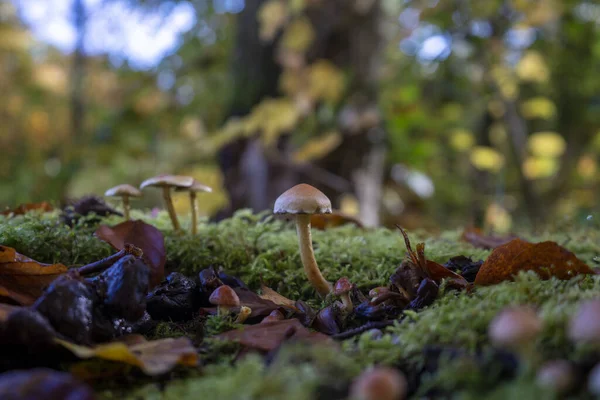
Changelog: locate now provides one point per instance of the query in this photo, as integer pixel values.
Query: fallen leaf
(336, 218)
(24, 279)
(270, 335)
(260, 307)
(547, 259)
(42, 383)
(142, 235)
(44, 206)
(271, 295)
(152, 357)
(438, 272)
(476, 237)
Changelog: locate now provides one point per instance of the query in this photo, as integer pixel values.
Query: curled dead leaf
(270, 294)
(476, 237)
(142, 235)
(23, 279)
(547, 259)
(152, 357)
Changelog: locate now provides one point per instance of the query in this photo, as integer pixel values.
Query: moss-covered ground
(259, 248)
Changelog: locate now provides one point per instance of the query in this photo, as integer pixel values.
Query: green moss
(258, 247)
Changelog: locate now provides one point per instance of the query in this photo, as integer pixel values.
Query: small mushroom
(584, 326)
(379, 383)
(378, 291)
(515, 328)
(195, 188)
(166, 182)
(243, 315)
(342, 288)
(558, 375)
(224, 297)
(124, 191)
(303, 201)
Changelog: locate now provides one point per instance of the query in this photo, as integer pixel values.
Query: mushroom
(302, 201)
(195, 188)
(584, 326)
(379, 383)
(166, 182)
(224, 297)
(243, 315)
(124, 191)
(515, 328)
(558, 375)
(342, 288)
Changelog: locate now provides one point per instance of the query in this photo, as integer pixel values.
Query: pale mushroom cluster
(166, 182)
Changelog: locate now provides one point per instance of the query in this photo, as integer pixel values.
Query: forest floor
(442, 348)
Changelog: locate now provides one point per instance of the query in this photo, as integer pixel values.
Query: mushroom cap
(302, 199)
(196, 187)
(584, 326)
(343, 285)
(224, 296)
(515, 327)
(558, 375)
(168, 180)
(379, 383)
(123, 190)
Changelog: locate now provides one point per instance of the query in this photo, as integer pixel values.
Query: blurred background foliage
(420, 112)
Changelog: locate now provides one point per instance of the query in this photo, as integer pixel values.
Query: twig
(107, 262)
(363, 328)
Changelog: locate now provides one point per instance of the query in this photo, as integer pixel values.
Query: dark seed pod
(327, 321)
(426, 294)
(175, 299)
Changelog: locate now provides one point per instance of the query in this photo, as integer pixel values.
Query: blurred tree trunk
(347, 34)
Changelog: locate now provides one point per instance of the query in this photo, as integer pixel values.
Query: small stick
(363, 328)
(107, 262)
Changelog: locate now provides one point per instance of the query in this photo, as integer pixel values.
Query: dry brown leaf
(44, 206)
(23, 279)
(547, 259)
(152, 357)
(336, 218)
(142, 235)
(270, 294)
(270, 335)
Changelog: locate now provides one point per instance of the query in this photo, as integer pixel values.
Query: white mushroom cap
(584, 326)
(302, 199)
(196, 187)
(123, 190)
(515, 327)
(168, 180)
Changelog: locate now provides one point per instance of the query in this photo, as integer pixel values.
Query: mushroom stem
(126, 207)
(194, 212)
(311, 269)
(348, 306)
(222, 311)
(171, 208)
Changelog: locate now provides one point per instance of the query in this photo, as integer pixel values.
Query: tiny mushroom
(302, 201)
(515, 328)
(584, 326)
(195, 188)
(224, 297)
(124, 191)
(558, 375)
(166, 182)
(243, 315)
(342, 288)
(379, 383)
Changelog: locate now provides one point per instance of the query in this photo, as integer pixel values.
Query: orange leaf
(142, 235)
(24, 208)
(547, 259)
(336, 218)
(270, 294)
(23, 279)
(439, 272)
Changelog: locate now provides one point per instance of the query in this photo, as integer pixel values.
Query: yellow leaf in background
(298, 35)
(231, 130)
(153, 357)
(326, 81)
(461, 139)
(317, 147)
(498, 218)
(149, 102)
(497, 134)
(587, 167)
(349, 205)
(538, 107)
(14, 39)
(272, 15)
(271, 117)
(192, 127)
(532, 67)
(291, 82)
(506, 82)
(15, 104)
(452, 112)
(297, 5)
(52, 78)
(486, 159)
(496, 108)
(540, 167)
(546, 144)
